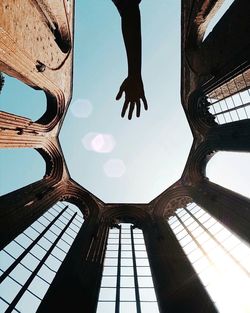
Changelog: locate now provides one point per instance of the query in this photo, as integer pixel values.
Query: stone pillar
(230, 137)
(76, 285)
(228, 207)
(177, 285)
(20, 208)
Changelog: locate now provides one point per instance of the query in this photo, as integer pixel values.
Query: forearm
(131, 30)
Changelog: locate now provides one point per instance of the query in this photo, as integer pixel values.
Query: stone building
(212, 70)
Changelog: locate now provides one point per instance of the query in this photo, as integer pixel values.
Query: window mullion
(137, 295)
(118, 280)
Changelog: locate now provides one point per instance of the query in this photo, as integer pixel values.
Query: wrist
(135, 76)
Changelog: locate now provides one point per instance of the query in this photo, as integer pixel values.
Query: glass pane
(127, 271)
(38, 287)
(108, 281)
(46, 273)
(5, 260)
(141, 271)
(140, 247)
(53, 263)
(147, 307)
(126, 247)
(147, 294)
(110, 271)
(3, 306)
(142, 262)
(59, 253)
(107, 294)
(113, 241)
(126, 307)
(110, 262)
(20, 274)
(126, 241)
(112, 254)
(141, 254)
(31, 233)
(14, 249)
(127, 294)
(126, 254)
(9, 289)
(138, 241)
(30, 261)
(127, 281)
(126, 262)
(23, 240)
(145, 282)
(28, 303)
(106, 307)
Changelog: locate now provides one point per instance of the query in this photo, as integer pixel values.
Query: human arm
(132, 86)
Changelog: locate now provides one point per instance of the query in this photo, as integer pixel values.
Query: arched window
(221, 260)
(230, 170)
(30, 262)
(127, 284)
(216, 18)
(230, 102)
(19, 167)
(20, 99)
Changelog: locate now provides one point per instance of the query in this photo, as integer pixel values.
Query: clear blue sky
(153, 155)
(143, 156)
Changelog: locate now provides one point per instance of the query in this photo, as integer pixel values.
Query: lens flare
(81, 108)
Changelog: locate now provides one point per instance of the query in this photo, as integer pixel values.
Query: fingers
(138, 108)
(131, 109)
(124, 109)
(144, 100)
(119, 95)
(131, 106)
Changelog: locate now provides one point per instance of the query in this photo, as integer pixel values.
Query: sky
(116, 159)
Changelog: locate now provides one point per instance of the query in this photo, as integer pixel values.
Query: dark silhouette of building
(37, 50)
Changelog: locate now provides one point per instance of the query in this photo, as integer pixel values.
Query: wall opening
(30, 262)
(235, 166)
(126, 284)
(221, 260)
(217, 17)
(19, 167)
(20, 99)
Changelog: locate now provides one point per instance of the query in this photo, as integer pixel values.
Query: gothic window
(221, 260)
(230, 102)
(30, 262)
(127, 284)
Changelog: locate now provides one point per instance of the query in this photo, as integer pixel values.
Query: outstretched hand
(134, 93)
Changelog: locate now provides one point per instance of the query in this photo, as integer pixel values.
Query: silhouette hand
(133, 88)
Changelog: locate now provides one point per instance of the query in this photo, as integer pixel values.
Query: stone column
(20, 208)
(230, 137)
(77, 282)
(228, 207)
(177, 285)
